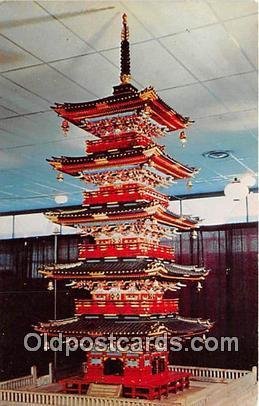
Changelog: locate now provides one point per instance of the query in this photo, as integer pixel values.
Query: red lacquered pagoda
(126, 261)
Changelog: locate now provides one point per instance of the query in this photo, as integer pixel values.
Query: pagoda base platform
(154, 387)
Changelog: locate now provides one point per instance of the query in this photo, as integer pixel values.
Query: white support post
(50, 372)
(34, 374)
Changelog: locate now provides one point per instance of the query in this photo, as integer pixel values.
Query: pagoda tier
(115, 142)
(121, 212)
(116, 231)
(141, 289)
(138, 123)
(132, 269)
(126, 98)
(127, 303)
(152, 156)
(137, 174)
(125, 248)
(124, 193)
(89, 326)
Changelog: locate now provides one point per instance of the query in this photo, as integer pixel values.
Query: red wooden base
(153, 388)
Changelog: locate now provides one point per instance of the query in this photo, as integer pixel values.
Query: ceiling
(201, 56)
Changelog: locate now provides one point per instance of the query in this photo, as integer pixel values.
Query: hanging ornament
(65, 127)
(50, 286)
(189, 184)
(60, 177)
(199, 286)
(183, 138)
(194, 235)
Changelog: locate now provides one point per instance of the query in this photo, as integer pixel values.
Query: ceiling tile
(93, 72)
(100, 25)
(229, 122)
(244, 32)
(233, 8)
(193, 100)
(49, 84)
(18, 99)
(162, 72)
(236, 92)
(207, 58)
(29, 26)
(172, 16)
(224, 107)
(5, 112)
(12, 57)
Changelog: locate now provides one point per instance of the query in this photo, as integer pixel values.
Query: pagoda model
(126, 263)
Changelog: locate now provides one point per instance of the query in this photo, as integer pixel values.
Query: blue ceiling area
(201, 57)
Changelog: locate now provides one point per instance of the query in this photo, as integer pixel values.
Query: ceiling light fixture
(61, 199)
(220, 154)
(248, 179)
(236, 190)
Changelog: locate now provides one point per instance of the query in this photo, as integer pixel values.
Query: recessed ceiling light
(61, 199)
(219, 154)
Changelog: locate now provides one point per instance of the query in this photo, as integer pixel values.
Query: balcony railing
(127, 248)
(129, 192)
(126, 306)
(128, 140)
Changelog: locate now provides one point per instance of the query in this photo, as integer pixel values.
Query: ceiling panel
(32, 28)
(205, 58)
(194, 100)
(243, 30)
(233, 8)
(162, 71)
(98, 23)
(5, 112)
(171, 17)
(199, 55)
(49, 84)
(93, 72)
(16, 98)
(236, 92)
(13, 57)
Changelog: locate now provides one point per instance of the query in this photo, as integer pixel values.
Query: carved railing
(17, 383)
(12, 397)
(126, 249)
(126, 306)
(204, 373)
(130, 192)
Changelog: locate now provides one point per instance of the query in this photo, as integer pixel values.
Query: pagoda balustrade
(129, 303)
(125, 248)
(118, 141)
(129, 192)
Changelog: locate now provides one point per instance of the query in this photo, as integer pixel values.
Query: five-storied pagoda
(126, 262)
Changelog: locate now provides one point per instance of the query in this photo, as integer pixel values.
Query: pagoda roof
(152, 155)
(126, 98)
(85, 326)
(123, 212)
(138, 268)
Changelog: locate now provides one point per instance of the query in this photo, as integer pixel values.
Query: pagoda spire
(125, 51)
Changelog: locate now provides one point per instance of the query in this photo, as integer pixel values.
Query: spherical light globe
(61, 199)
(236, 190)
(248, 180)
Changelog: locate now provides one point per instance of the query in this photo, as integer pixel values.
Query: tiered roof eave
(126, 98)
(131, 269)
(122, 212)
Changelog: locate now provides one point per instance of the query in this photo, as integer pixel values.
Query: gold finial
(125, 53)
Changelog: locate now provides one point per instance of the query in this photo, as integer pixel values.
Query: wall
(228, 297)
